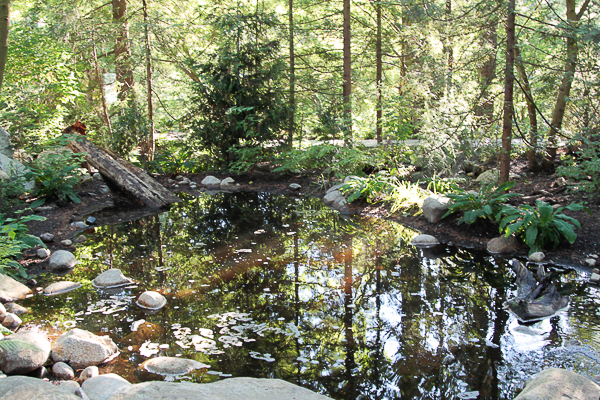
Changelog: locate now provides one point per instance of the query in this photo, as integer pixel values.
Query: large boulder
(11, 290)
(211, 182)
(233, 388)
(25, 387)
(502, 244)
(81, 348)
(558, 384)
(23, 352)
(5, 146)
(15, 169)
(434, 207)
(104, 387)
(62, 260)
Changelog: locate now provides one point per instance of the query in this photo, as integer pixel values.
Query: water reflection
(267, 286)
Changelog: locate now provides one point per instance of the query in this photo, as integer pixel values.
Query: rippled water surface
(269, 286)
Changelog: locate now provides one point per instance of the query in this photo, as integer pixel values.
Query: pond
(262, 285)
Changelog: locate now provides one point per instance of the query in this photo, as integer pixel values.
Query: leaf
(37, 203)
(531, 235)
(567, 230)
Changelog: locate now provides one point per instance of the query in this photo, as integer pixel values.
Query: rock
(590, 262)
(595, 278)
(42, 253)
(227, 183)
(89, 373)
(25, 387)
(85, 178)
(172, 366)
(488, 177)
(5, 146)
(15, 169)
(340, 202)
(80, 239)
(40, 373)
(502, 244)
(104, 189)
(110, 279)
(424, 241)
(15, 308)
(151, 300)
(61, 287)
(434, 207)
(335, 187)
(24, 352)
(79, 225)
(104, 387)
(62, 260)
(47, 237)
(97, 176)
(352, 178)
(295, 187)
(185, 181)
(11, 321)
(332, 196)
(66, 242)
(211, 182)
(3, 176)
(90, 220)
(43, 209)
(11, 290)
(556, 383)
(82, 348)
(537, 257)
(232, 388)
(63, 371)
(68, 386)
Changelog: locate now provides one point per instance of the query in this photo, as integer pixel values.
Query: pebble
(42, 253)
(12, 321)
(88, 373)
(63, 371)
(47, 237)
(80, 239)
(66, 242)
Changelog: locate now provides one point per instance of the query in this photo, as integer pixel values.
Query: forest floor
(115, 207)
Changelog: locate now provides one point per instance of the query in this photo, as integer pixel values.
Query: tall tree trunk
(379, 76)
(508, 94)
(148, 146)
(565, 86)
(487, 73)
(449, 51)
(292, 75)
(347, 88)
(123, 65)
(100, 80)
(531, 111)
(4, 26)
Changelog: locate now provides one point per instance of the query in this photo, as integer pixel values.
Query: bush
(13, 240)
(585, 168)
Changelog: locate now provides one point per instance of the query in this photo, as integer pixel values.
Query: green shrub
(585, 168)
(486, 204)
(13, 240)
(176, 158)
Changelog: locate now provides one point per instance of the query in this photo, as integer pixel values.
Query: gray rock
(352, 178)
(15, 169)
(42, 253)
(104, 189)
(295, 187)
(340, 202)
(227, 183)
(3, 176)
(5, 146)
(211, 182)
(66, 242)
(82, 348)
(11, 290)
(15, 308)
(85, 178)
(335, 187)
(11, 321)
(80, 225)
(424, 241)
(47, 237)
(332, 196)
(230, 389)
(25, 387)
(68, 386)
(173, 366)
(110, 279)
(487, 177)
(434, 207)
(63, 371)
(151, 300)
(537, 257)
(62, 260)
(558, 384)
(104, 387)
(591, 262)
(61, 287)
(97, 176)
(595, 278)
(24, 352)
(42, 209)
(80, 239)
(79, 392)
(89, 373)
(502, 244)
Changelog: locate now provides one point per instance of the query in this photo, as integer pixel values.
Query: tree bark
(123, 65)
(4, 27)
(565, 86)
(292, 75)
(347, 88)
(379, 77)
(148, 145)
(100, 80)
(508, 94)
(487, 74)
(450, 52)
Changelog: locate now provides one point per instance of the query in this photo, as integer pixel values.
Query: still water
(269, 286)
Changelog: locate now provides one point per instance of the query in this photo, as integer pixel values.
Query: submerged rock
(151, 300)
(111, 279)
(81, 348)
(61, 287)
(11, 290)
(24, 352)
(62, 260)
(25, 387)
(424, 241)
(557, 384)
(172, 365)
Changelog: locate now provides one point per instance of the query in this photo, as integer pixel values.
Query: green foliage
(176, 158)
(441, 185)
(55, 173)
(130, 127)
(13, 240)
(485, 204)
(541, 225)
(246, 158)
(584, 168)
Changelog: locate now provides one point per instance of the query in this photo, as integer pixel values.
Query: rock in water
(23, 352)
(537, 257)
(61, 287)
(151, 300)
(104, 387)
(61, 260)
(558, 384)
(227, 183)
(172, 365)
(11, 321)
(211, 182)
(11, 290)
(502, 245)
(434, 207)
(25, 387)
(82, 348)
(424, 241)
(111, 279)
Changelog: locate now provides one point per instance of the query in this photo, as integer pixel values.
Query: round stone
(47, 237)
(502, 244)
(15, 308)
(295, 186)
(12, 321)
(66, 242)
(151, 300)
(110, 279)
(61, 287)
(61, 260)
(537, 257)
(424, 241)
(172, 365)
(89, 372)
(63, 371)
(211, 182)
(42, 253)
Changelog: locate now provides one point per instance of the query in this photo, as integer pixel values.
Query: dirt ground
(60, 217)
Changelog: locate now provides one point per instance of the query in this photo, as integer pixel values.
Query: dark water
(268, 286)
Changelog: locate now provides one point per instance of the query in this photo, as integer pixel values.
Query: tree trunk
(123, 65)
(508, 94)
(379, 77)
(100, 80)
(4, 26)
(531, 111)
(449, 51)
(148, 144)
(292, 75)
(565, 86)
(487, 74)
(347, 88)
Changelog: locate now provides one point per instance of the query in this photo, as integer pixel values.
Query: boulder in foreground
(559, 384)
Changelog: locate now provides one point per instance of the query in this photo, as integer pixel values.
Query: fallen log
(130, 179)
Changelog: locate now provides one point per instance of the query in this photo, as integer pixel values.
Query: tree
(347, 85)
(508, 93)
(4, 25)
(122, 50)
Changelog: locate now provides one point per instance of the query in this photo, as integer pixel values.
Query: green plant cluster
(176, 158)
(13, 240)
(585, 168)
